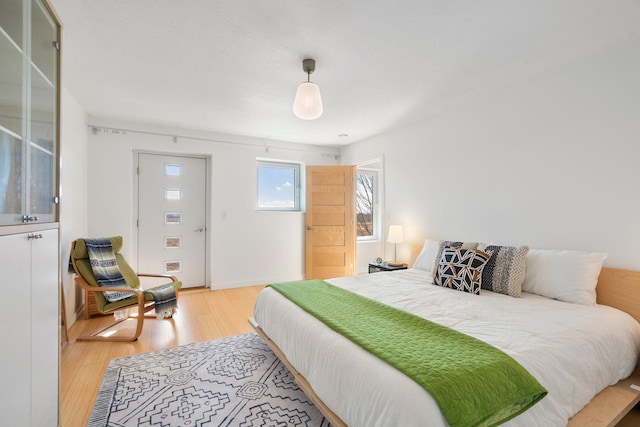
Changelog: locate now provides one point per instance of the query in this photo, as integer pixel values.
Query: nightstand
(375, 267)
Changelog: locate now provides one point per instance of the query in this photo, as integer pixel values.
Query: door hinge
(137, 223)
(56, 44)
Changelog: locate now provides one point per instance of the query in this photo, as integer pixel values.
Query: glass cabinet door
(28, 113)
(12, 202)
(42, 141)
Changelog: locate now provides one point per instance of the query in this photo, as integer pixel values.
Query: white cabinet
(29, 254)
(29, 361)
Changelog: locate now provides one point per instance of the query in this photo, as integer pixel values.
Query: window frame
(297, 168)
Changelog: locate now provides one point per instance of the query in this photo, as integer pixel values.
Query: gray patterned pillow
(504, 273)
(445, 243)
(461, 269)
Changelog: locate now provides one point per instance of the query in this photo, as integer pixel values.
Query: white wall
(247, 247)
(73, 196)
(552, 163)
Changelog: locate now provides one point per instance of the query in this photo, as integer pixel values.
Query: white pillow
(427, 257)
(564, 275)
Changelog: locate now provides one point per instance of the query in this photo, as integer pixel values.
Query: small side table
(375, 267)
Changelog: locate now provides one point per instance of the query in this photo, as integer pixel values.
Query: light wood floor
(203, 315)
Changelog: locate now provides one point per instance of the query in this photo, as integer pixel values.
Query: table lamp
(395, 236)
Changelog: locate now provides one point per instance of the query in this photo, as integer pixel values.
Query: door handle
(199, 230)
(309, 228)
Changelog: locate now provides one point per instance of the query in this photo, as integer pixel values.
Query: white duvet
(573, 350)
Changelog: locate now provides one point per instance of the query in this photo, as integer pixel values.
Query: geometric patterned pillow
(461, 269)
(504, 273)
(445, 243)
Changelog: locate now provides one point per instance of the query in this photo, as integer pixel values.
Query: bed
(569, 348)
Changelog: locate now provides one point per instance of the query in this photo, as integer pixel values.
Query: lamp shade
(395, 234)
(308, 102)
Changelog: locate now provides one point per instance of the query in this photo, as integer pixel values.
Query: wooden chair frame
(143, 306)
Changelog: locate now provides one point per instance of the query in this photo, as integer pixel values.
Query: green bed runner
(473, 383)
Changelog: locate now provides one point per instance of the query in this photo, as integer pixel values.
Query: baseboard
(79, 313)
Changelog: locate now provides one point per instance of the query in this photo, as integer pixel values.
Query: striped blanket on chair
(166, 303)
(107, 273)
(105, 268)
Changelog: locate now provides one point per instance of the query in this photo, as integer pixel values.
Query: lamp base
(395, 263)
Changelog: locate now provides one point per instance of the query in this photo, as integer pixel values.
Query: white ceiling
(233, 66)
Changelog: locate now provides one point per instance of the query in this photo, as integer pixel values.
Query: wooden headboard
(415, 251)
(616, 288)
(620, 289)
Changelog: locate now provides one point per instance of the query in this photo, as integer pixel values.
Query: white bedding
(573, 350)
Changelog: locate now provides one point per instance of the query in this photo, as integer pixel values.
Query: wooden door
(330, 238)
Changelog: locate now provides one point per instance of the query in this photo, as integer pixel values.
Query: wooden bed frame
(619, 289)
(616, 288)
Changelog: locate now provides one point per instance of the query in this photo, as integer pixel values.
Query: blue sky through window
(276, 187)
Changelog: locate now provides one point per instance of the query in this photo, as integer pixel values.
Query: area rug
(235, 381)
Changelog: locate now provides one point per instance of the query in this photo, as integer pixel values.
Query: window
(172, 194)
(278, 186)
(172, 170)
(174, 242)
(173, 218)
(366, 204)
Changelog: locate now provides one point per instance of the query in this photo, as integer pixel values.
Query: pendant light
(308, 102)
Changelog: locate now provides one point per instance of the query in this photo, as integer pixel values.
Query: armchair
(140, 299)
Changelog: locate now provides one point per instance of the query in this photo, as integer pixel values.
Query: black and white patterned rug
(234, 381)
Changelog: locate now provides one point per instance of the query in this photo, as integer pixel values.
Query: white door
(15, 263)
(171, 217)
(44, 327)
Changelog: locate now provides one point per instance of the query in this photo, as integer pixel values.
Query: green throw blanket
(473, 383)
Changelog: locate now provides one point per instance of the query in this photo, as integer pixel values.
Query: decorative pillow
(445, 243)
(564, 275)
(504, 273)
(427, 257)
(461, 269)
